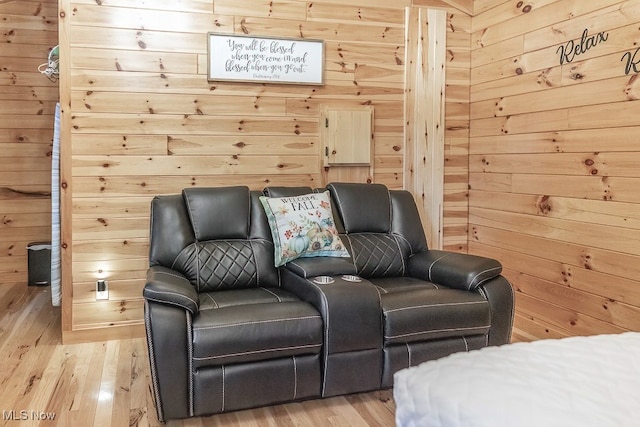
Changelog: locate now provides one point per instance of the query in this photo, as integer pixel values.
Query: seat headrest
(363, 208)
(219, 213)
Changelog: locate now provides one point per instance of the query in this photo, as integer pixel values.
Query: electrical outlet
(102, 289)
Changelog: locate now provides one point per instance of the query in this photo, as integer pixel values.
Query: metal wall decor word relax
(571, 49)
(265, 59)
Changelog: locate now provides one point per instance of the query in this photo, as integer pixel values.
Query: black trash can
(39, 260)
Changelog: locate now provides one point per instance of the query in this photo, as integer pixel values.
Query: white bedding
(578, 381)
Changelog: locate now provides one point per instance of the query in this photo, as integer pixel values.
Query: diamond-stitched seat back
(377, 254)
(219, 238)
(381, 227)
(222, 264)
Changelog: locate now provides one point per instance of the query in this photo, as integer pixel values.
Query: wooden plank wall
(554, 158)
(424, 110)
(143, 120)
(28, 31)
(456, 134)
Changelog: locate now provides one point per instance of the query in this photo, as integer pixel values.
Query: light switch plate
(104, 293)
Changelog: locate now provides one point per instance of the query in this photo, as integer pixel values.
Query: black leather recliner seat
(227, 330)
(413, 304)
(433, 303)
(222, 333)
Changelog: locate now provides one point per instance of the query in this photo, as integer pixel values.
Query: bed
(578, 381)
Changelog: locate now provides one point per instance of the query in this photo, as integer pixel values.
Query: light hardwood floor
(107, 383)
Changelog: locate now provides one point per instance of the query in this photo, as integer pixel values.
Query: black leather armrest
(499, 294)
(351, 311)
(452, 269)
(321, 266)
(352, 331)
(167, 286)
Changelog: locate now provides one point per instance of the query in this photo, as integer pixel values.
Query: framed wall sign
(265, 59)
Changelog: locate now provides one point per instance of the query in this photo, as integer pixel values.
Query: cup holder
(323, 280)
(351, 278)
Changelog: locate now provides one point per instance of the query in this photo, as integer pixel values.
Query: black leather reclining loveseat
(228, 330)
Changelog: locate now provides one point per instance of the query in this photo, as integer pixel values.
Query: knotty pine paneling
(28, 31)
(142, 120)
(553, 160)
(456, 172)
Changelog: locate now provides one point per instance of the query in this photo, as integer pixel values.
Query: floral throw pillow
(302, 227)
